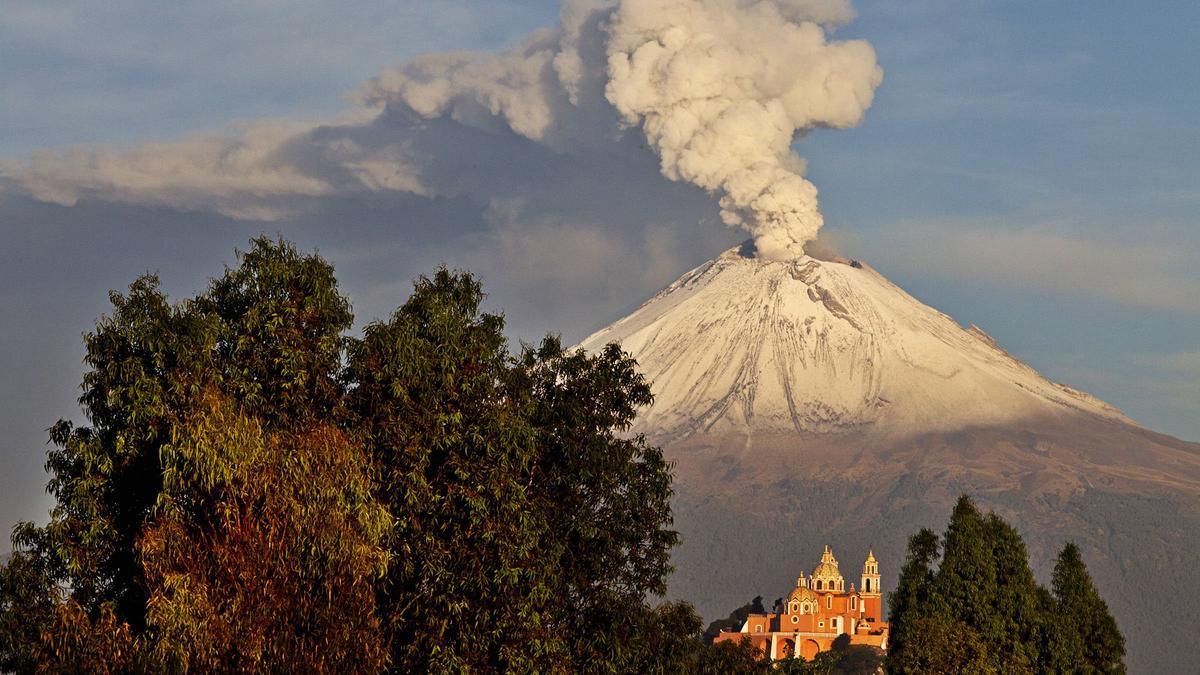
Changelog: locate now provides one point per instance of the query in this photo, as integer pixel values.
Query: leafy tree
(670, 641)
(212, 509)
(264, 550)
(255, 490)
(967, 573)
(606, 497)
(510, 485)
(28, 602)
(1091, 642)
(468, 584)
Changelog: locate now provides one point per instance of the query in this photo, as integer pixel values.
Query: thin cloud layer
(1156, 276)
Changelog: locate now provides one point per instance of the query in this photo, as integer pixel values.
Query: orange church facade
(817, 611)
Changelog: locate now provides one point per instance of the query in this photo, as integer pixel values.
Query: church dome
(826, 571)
(800, 594)
(826, 576)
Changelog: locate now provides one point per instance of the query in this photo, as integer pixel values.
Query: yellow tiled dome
(800, 594)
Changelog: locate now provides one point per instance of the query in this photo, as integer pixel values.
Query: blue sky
(1030, 167)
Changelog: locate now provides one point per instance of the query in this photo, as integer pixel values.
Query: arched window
(829, 602)
(868, 585)
(820, 587)
(853, 602)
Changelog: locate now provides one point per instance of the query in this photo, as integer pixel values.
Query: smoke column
(721, 87)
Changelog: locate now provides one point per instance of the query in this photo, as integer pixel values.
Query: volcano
(812, 401)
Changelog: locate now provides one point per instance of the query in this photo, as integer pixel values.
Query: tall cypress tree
(966, 577)
(1013, 618)
(910, 602)
(1091, 637)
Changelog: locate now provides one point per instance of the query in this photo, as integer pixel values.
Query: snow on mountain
(741, 344)
(813, 402)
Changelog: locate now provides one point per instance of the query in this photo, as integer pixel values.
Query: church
(817, 611)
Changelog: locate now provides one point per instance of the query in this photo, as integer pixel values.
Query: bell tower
(870, 590)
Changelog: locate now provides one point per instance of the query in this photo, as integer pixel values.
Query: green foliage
(736, 618)
(28, 602)
(669, 641)
(257, 491)
(510, 487)
(468, 585)
(982, 610)
(841, 659)
(1088, 640)
(212, 515)
(257, 532)
(937, 645)
(859, 660)
(913, 597)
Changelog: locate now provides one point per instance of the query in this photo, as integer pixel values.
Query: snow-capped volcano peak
(741, 344)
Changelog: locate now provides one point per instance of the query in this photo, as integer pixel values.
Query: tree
(981, 610)
(967, 575)
(212, 508)
(508, 470)
(937, 645)
(859, 660)
(1091, 641)
(912, 599)
(1016, 621)
(264, 550)
(606, 497)
(257, 490)
(984, 582)
(670, 641)
(736, 618)
(455, 452)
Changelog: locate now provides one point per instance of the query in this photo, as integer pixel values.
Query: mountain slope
(812, 401)
(810, 345)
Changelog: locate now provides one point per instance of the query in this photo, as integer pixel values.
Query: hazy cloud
(1178, 363)
(1155, 275)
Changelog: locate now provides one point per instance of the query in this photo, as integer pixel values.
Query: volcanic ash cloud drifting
(718, 89)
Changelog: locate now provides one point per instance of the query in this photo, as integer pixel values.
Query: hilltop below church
(817, 611)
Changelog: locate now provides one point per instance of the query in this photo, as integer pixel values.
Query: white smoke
(721, 87)
(718, 89)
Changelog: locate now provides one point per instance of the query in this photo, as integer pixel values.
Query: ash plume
(721, 87)
(717, 89)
